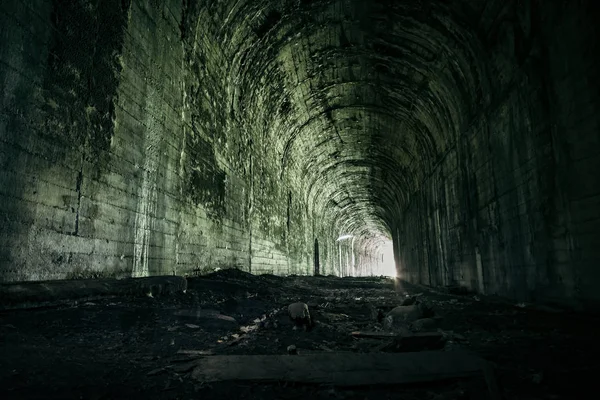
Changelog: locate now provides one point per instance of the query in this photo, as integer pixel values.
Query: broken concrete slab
(343, 369)
(44, 293)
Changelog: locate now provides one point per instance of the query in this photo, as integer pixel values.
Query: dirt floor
(140, 347)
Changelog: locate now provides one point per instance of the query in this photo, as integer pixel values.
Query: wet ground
(141, 347)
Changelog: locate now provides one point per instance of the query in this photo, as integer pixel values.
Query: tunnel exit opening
(388, 263)
(378, 258)
(366, 256)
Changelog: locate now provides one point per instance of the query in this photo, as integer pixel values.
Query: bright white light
(344, 237)
(389, 265)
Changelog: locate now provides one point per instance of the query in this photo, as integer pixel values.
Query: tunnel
(442, 143)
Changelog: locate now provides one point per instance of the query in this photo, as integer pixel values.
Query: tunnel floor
(139, 347)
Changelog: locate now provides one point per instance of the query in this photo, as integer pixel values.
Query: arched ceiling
(358, 97)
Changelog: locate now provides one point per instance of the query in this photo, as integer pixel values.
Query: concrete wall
(120, 152)
(512, 207)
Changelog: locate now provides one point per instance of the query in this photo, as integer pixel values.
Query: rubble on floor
(132, 346)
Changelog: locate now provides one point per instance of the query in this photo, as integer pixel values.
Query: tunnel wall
(120, 155)
(512, 207)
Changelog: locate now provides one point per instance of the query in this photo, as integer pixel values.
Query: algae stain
(147, 193)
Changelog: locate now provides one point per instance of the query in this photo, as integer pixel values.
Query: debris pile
(163, 345)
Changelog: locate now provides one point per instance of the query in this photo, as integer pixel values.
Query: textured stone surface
(158, 137)
(512, 206)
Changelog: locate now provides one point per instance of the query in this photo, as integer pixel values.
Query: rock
(298, 310)
(459, 338)
(424, 324)
(299, 313)
(405, 313)
(402, 316)
(409, 301)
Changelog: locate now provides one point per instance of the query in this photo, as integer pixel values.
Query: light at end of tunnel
(344, 237)
(388, 263)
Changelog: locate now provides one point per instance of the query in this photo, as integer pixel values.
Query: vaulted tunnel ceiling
(358, 97)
